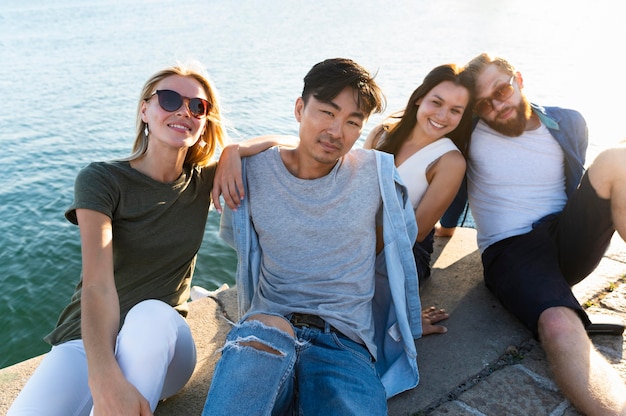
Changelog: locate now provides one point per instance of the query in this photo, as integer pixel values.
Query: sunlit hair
(476, 66)
(214, 134)
(400, 132)
(327, 79)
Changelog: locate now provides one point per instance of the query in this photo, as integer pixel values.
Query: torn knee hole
(255, 343)
(260, 346)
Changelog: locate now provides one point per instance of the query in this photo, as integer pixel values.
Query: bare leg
(431, 316)
(581, 372)
(443, 231)
(607, 175)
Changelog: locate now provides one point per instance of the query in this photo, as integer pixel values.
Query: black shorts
(532, 272)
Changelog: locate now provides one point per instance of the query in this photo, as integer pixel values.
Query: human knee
(151, 317)
(559, 324)
(153, 323)
(152, 305)
(608, 170)
(150, 309)
(614, 156)
(272, 323)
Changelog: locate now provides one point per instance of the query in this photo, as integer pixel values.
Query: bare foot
(431, 316)
(443, 231)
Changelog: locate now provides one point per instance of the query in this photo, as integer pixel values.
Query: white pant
(155, 351)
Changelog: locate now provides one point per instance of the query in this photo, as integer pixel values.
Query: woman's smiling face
(441, 109)
(178, 128)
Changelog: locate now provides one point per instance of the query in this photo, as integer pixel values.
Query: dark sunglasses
(504, 92)
(171, 101)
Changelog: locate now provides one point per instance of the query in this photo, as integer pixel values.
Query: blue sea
(71, 72)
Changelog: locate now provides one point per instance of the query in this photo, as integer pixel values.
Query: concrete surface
(487, 363)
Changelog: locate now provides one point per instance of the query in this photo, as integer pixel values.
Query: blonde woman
(122, 342)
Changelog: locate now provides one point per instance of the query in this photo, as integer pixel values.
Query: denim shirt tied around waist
(396, 303)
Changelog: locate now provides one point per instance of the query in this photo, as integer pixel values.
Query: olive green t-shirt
(157, 231)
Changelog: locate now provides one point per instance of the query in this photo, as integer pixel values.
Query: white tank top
(413, 170)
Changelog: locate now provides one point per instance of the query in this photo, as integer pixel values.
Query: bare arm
(444, 179)
(372, 138)
(228, 181)
(100, 313)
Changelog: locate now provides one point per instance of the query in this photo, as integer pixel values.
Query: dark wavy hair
(400, 132)
(326, 79)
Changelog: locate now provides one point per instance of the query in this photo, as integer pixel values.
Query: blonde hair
(214, 134)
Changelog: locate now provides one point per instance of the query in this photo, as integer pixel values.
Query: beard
(517, 125)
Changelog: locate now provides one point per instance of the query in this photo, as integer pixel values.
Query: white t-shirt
(513, 181)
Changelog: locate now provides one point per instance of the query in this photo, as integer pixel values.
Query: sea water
(71, 72)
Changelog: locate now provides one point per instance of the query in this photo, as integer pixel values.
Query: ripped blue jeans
(316, 373)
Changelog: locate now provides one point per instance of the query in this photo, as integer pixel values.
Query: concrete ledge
(208, 321)
(487, 363)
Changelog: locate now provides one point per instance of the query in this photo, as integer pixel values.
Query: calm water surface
(71, 71)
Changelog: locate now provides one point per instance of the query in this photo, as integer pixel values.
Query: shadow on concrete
(479, 329)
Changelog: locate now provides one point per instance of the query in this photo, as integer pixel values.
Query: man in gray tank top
(544, 224)
(307, 274)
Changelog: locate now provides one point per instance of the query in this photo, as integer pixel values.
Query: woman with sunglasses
(122, 342)
(422, 139)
